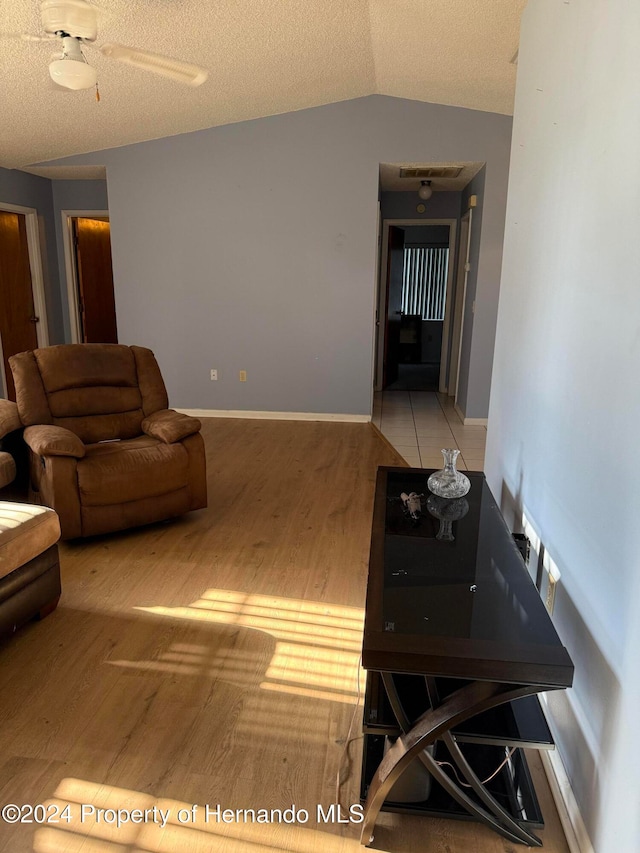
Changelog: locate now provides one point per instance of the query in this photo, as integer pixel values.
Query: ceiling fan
(73, 24)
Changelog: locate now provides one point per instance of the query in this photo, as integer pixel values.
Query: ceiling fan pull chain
(97, 93)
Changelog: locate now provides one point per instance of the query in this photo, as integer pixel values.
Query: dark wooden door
(17, 316)
(92, 238)
(395, 268)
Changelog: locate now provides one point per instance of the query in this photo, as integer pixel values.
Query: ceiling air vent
(431, 172)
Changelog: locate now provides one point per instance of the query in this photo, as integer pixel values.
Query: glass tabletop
(447, 578)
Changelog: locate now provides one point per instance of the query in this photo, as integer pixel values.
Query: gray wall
(27, 190)
(293, 303)
(80, 195)
(402, 205)
(563, 422)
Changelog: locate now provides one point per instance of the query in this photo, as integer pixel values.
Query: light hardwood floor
(214, 659)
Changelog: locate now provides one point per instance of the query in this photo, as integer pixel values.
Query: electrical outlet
(243, 376)
(550, 578)
(214, 375)
(551, 593)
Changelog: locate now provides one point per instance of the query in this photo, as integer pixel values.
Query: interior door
(393, 311)
(17, 316)
(96, 301)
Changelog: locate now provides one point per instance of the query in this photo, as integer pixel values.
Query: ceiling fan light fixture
(425, 192)
(72, 73)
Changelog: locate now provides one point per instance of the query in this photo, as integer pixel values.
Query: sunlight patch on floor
(316, 654)
(174, 826)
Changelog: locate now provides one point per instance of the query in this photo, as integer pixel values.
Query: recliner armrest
(170, 426)
(49, 440)
(9, 418)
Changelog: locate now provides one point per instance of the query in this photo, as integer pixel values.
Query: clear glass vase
(449, 482)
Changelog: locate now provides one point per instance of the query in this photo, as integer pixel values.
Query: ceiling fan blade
(29, 37)
(26, 37)
(174, 69)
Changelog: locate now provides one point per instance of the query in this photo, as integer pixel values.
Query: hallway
(420, 423)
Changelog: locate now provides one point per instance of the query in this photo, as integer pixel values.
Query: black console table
(457, 644)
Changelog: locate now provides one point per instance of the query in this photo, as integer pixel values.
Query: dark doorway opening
(94, 279)
(416, 296)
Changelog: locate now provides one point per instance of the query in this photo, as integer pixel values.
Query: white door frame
(382, 295)
(70, 266)
(458, 312)
(376, 305)
(37, 278)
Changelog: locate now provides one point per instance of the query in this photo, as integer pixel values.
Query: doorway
(415, 304)
(23, 318)
(460, 302)
(92, 310)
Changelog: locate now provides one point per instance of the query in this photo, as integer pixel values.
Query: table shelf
(520, 723)
(512, 786)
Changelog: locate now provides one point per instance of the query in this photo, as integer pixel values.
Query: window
(424, 282)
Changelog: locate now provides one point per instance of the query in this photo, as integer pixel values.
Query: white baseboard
(469, 421)
(276, 416)
(572, 823)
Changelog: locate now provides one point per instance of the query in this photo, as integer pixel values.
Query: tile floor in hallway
(420, 423)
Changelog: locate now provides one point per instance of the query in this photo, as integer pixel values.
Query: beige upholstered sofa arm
(9, 418)
(170, 426)
(53, 441)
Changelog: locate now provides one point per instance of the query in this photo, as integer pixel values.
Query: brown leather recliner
(105, 451)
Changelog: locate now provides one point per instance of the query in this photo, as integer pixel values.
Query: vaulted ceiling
(264, 57)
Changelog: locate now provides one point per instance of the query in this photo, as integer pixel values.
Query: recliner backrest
(98, 391)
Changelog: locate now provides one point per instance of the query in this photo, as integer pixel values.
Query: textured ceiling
(264, 57)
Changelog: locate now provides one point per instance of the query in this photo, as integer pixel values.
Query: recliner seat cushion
(132, 470)
(25, 531)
